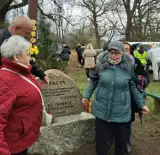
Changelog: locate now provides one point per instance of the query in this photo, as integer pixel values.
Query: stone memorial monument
(61, 96)
(73, 129)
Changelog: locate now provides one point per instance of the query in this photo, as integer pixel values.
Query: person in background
(113, 80)
(23, 26)
(21, 103)
(65, 54)
(89, 56)
(154, 57)
(105, 46)
(149, 63)
(142, 81)
(105, 49)
(141, 55)
(80, 50)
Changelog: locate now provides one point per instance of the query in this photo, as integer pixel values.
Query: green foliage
(47, 48)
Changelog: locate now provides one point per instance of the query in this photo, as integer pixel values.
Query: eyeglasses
(115, 52)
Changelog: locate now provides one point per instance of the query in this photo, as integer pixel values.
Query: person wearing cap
(113, 82)
(141, 54)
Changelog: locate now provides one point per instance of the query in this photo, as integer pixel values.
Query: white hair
(15, 45)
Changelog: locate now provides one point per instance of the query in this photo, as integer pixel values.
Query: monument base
(67, 135)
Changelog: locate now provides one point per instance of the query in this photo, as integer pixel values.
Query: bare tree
(146, 20)
(7, 5)
(96, 10)
(139, 15)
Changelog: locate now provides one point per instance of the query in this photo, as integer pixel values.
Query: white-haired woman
(89, 59)
(21, 103)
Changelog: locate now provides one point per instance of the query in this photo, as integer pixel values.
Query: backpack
(140, 84)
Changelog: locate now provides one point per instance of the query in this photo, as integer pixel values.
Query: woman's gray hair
(15, 45)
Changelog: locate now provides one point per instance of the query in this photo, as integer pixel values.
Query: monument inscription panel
(61, 96)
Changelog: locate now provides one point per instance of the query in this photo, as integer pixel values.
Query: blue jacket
(65, 53)
(114, 86)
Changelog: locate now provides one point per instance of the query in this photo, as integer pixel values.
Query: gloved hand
(85, 104)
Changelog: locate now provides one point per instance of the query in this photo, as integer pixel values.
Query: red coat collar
(17, 67)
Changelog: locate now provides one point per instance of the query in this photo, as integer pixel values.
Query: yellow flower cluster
(33, 33)
(34, 50)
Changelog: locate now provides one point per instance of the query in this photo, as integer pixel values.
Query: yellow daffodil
(33, 34)
(34, 50)
(33, 40)
(34, 28)
(34, 22)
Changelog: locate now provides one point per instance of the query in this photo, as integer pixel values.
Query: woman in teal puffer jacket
(113, 80)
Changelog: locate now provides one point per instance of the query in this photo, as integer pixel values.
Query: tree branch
(18, 5)
(5, 3)
(50, 16)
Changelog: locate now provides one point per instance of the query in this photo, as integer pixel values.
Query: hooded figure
(141, 55)
(154, 57)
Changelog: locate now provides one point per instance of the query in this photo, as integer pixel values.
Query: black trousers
(22, 153)
(106, 132)
(80, 60)
(87, 72)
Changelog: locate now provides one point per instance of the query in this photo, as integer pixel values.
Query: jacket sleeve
(37, 71)
(7, 99)
(92, 84)
(1, 36)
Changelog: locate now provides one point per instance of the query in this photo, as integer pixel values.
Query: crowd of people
(117, 75)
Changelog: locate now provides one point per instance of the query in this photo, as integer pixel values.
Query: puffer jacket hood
(127, 62)
(117, 45)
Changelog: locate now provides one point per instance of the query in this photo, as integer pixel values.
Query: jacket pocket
(27, 126)
(102, 95)
(15, 125)
(14, 129)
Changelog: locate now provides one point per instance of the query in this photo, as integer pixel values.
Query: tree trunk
(3, 12)
(2, 18)
(98, 38)
(129, 27)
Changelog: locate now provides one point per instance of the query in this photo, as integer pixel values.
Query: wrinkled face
(115, 56)
(23, 59)
(23, 31)
(127, 48)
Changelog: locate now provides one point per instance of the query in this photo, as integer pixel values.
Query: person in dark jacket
(65, 53)
(80, 49)
(142, 81)
(22, 110)
(114, 83)
(23, 26)
(65, 56)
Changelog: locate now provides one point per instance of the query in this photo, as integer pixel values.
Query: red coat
(20, 109)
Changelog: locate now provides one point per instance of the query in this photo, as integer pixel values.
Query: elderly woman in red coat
(21, 103)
